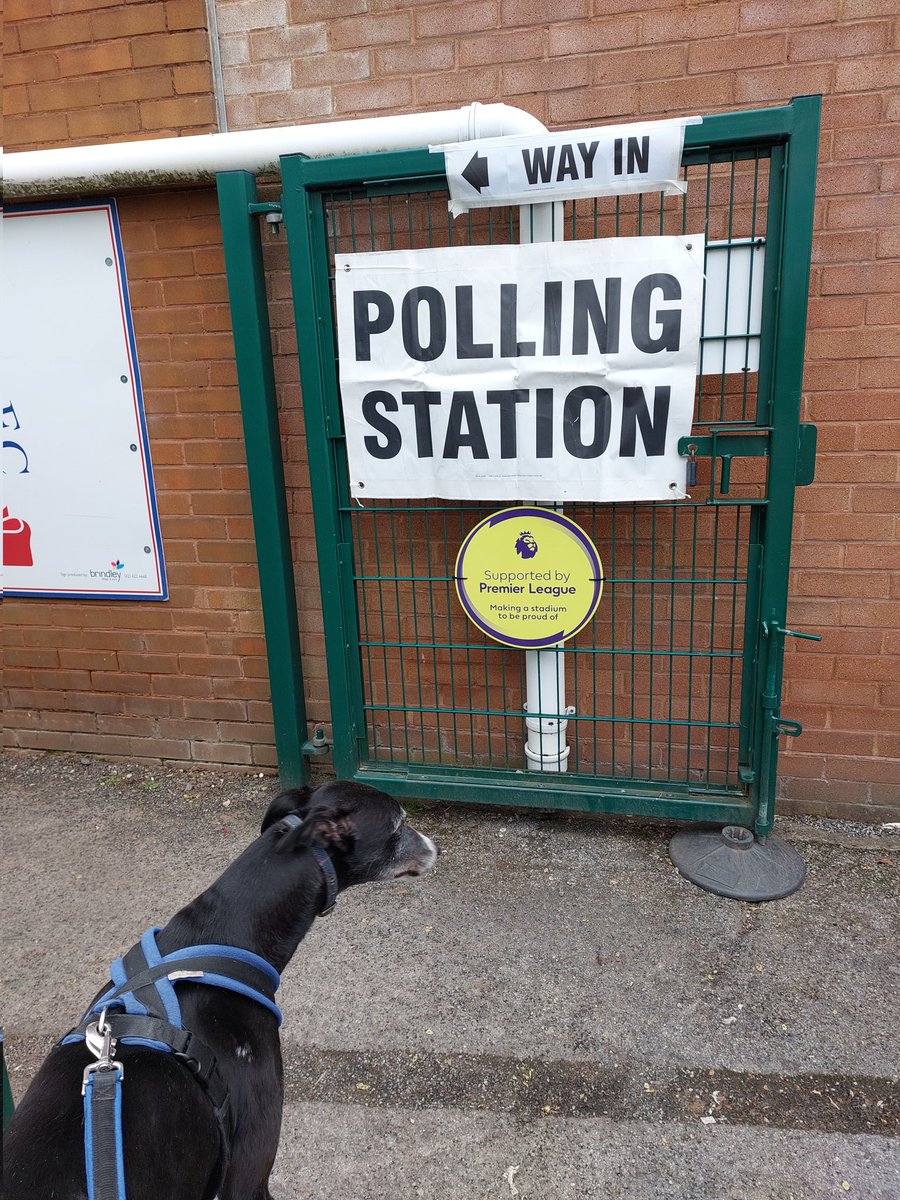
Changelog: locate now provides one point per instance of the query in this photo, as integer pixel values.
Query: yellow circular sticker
(529, 577)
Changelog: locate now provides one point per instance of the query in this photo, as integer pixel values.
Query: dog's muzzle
(416, 854)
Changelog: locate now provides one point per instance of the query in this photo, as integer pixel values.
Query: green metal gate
(676, 683)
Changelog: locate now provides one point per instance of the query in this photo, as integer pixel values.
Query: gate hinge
(806, 455)
(317, 745)
(273, 213)
(791, 728)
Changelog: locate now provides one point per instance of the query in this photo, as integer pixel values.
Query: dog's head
(362, 829)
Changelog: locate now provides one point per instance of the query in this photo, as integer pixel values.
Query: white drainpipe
(163, 162)
(545, 670)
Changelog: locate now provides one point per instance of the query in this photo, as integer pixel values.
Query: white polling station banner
(560, 371)
(79, 508)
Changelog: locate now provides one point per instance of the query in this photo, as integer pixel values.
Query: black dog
(265, 902)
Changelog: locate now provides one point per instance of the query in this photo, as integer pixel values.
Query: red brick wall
(300, 60)
(78, 72)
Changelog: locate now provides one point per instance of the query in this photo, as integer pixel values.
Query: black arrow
(476, 173)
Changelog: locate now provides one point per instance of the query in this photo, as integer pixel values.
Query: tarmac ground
(552, 1013)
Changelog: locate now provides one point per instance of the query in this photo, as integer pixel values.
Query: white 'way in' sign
(535, 168)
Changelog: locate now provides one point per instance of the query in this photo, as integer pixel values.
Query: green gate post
(256, 382)
(7, 1092)
(798, 164)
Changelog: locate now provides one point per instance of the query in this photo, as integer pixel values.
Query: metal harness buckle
(99, 1040)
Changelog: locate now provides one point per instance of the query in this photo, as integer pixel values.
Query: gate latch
(777, 724)
(774, 627)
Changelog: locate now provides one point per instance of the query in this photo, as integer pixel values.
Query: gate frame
(791, 135)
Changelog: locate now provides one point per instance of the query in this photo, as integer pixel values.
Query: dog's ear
(294, 800)
(323, 826)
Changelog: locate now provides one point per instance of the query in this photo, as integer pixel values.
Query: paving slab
(553, 1012)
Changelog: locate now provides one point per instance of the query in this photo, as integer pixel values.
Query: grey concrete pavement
(551, 1014)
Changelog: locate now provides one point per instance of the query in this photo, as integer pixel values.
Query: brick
(185, 14)
(866, 212)
(856, 468)
(875, 499)
(160, 49)
(881, 310)
(872, 142)
(697, 94)
(297, 105)
(368, 97)
(257, 77)
(691, 24)
(838, 41)
(454, 87)
(851, 111)
(81, 5)
(494, 47)
(35, 132)
(114, 120)
(868, 74)
(184, 112)
(522, 12)
(303, 12)
(343, 67)
(840, 246)
(869, 613)
(781, 83)
(136, 85)
(353, 33)
(128, 21)
(854, 527)
(885, 435)
(588, 37)
(292, 42)
(772, 14)
(30, 68)
(854, 584)
(23, 10)
(861, 279)
(736, 53)
(552, 75)
(847, 179)
(220, 753)
(89, 660)
(216, 710)
(95, 59)
(193, 77)
(884, 372)
(132, 726)
(15, 100)
(240, 15)
(62, 30)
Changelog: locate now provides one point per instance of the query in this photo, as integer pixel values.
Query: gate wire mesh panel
(656, 678)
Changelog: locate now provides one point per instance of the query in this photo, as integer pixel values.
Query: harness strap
(103, 1157)
(197, 969)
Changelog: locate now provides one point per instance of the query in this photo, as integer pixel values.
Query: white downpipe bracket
(162, 162)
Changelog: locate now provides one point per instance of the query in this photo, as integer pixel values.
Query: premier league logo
(526, 546)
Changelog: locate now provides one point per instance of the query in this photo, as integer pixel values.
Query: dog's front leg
(257, 1095)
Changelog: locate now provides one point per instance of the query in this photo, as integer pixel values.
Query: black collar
(326, 866)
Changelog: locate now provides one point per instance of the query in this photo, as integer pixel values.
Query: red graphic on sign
(16, 541)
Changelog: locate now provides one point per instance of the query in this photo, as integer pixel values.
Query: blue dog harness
(141, 1008)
